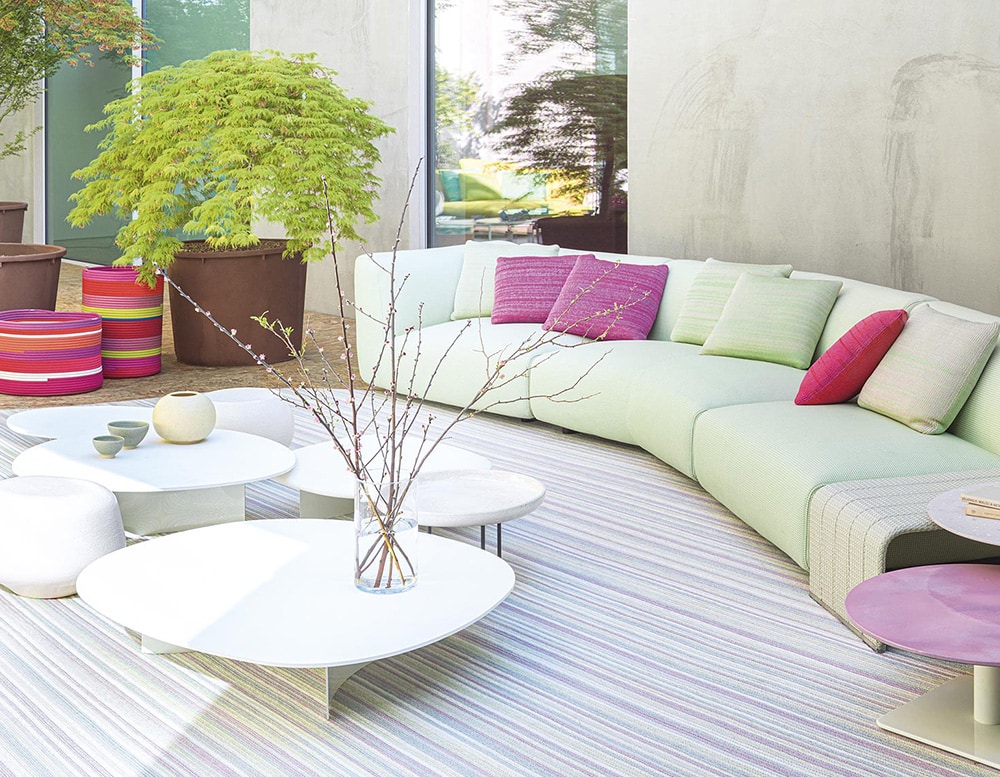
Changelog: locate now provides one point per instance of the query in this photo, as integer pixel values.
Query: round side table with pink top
(950, 612)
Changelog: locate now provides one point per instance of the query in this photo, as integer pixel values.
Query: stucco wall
(860, 137)
(368, 44)
(17, 176)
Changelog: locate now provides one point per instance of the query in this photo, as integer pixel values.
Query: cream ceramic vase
(184, 417)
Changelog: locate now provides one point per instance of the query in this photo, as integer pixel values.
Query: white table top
(75, 420)
(225, 458)
(947, 510)
(281, 593)
(476, 498)
(319, 469)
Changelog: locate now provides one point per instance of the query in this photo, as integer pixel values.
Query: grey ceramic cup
(132, 432)
(108, 445)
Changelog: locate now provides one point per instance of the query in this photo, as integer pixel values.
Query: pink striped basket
(133, 320)
(47, 353)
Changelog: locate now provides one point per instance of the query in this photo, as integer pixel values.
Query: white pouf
(254, 411)
(50, 529)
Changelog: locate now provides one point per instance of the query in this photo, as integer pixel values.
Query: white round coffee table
(74, 420)
(947, 510)
(281, 593)
(326, 485)
(451, 499)
(163, 487)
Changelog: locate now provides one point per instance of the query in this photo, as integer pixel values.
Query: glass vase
(385, 534)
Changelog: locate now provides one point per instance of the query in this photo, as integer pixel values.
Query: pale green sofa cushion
(707, 296)
(474, 293)
(765, 461)
(455, 358)
(773, 320)
(599, 403)
(930, 370)
(669, 395)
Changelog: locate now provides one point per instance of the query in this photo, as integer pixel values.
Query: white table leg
(167, 511)
(150, 645)
(961, 716)
(336, 676)
(318, 506)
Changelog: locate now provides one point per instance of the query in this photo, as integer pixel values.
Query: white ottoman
(50, 529)
(254, 411)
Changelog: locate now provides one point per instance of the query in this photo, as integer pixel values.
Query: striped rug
(649, 633)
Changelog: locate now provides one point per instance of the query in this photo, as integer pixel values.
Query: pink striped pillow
(839, 374)
(609, 300)
(526, 287)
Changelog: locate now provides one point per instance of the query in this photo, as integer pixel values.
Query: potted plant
(36, 37)
(209, 149)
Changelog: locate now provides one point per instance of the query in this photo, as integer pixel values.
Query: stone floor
(175, 376)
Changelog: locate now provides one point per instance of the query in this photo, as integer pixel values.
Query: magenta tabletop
(946, 611)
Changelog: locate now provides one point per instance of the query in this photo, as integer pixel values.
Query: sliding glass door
(529, 122)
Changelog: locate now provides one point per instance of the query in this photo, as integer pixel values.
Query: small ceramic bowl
(108, 445)
(132, 432)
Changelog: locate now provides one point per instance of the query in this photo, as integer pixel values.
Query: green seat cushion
(669, 395)
(930, 370)
(707, 295)
(599, 403)
(773, 320)
(765, 461)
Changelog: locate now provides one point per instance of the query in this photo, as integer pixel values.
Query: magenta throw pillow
(839, 374)
(526, 287)
(608, 300)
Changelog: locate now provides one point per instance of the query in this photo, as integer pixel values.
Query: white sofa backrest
(856, 301)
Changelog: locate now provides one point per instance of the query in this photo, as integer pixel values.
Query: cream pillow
(707, 296)
(474, 293)
(930, 370)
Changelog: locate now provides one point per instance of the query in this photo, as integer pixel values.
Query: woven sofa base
(860, 529)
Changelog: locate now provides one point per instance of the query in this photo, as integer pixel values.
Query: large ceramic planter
(12, 221)
(234, 286)
(29, 276)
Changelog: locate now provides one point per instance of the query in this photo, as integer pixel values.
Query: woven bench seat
(862, 528)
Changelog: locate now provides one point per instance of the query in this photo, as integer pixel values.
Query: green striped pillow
(773, 320)
(930, 370)
(707, 296)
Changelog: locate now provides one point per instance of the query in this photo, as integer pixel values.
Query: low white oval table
(163, 487)
(75, 420)
(451, 499)
(281, 593)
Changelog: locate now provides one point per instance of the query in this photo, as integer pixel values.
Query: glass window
(76, 97)
(530, 122)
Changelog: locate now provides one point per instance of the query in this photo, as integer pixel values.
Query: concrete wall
(17, 174)
(858, 137)
(368, 43)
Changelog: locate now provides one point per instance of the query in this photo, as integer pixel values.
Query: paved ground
(173, 376)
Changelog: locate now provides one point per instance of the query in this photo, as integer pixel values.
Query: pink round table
(950, 612)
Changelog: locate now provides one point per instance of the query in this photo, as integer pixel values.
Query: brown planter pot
(12, 221)
(29, 275)
(234, 286)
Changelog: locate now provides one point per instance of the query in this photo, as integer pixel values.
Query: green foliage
(565, 121)
(36, 36)
(455, 98)
(213, 144)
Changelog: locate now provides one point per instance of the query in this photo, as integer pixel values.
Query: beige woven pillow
(930, 370)
(708, 294)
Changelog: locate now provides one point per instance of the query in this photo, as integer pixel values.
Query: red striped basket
(47, 353)
(133, 319)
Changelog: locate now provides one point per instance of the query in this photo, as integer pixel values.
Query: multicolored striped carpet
(649, 633)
